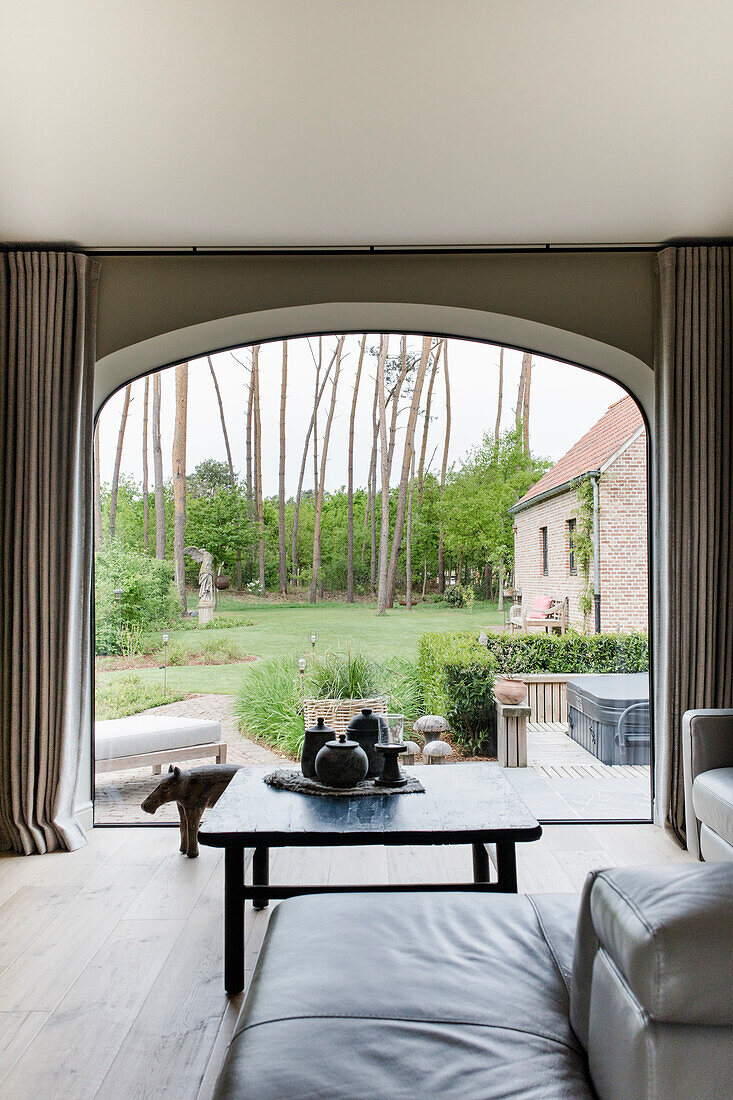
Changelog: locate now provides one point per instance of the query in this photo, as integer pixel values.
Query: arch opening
(133, 363)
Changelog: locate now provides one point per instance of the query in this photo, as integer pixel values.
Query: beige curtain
(47, 313)
(693, 628)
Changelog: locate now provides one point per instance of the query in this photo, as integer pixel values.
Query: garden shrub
(459, 596)
(570, 653)
(148, 597)
(456, 675)
(269, 705)
(344, 676)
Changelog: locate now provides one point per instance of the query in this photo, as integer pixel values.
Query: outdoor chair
(548, 614)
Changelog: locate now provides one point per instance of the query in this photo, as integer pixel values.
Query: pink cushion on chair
(540, 607)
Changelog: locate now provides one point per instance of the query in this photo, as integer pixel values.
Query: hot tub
(609, 716)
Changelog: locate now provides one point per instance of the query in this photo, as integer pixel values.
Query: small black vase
(315, 738)
(341, 763)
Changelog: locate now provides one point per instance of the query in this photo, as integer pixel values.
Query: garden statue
(207, 595)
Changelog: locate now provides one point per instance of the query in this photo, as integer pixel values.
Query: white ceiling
(338, 122)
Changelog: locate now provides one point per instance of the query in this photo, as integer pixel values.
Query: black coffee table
(463, 804)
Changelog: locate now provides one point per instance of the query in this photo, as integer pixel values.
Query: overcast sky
(566, 401)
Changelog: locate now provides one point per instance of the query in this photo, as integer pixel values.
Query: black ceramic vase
(341, 763)
(315, 738)
(364, 728)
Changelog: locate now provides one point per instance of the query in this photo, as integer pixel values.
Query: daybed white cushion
(140, 734)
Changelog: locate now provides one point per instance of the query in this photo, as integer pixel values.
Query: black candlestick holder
(391, 775)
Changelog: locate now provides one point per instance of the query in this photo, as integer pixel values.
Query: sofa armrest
(707, 743)
(651, 998)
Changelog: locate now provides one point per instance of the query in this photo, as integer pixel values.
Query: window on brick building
(572, 565)
(543, 547)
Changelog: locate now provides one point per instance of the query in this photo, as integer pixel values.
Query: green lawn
(281, 629)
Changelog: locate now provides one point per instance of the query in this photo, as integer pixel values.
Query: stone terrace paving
(562, 780)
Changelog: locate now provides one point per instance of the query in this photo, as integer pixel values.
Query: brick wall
(623, 546)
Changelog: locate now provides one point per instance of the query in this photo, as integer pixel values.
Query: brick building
(614, 451)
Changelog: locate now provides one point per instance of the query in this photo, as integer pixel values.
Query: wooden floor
(110, 957)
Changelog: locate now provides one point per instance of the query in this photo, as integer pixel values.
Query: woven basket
(339, 712)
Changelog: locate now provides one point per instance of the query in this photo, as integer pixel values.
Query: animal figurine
(194, 791)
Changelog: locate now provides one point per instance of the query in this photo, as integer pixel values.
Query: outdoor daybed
(140, 740)
(482, 996)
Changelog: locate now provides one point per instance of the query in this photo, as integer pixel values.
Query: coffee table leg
(233, 920)
(260, 875)
(481, 871)
(506, 866)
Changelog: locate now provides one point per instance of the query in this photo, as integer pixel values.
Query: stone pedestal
(206, 613)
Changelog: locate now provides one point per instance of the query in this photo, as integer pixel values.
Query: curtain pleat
(47, 302)
(693, 628)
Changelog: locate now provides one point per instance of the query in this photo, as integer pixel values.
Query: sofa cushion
(669, 931)
(712, 797)
(416, 994)
(140, 734)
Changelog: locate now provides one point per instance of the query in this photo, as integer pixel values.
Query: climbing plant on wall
(583, 543)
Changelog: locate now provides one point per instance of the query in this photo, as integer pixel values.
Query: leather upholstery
(707, 744)
(712, 846)
(712, 797)
(411, 995)
(652, 999)
(466, 996)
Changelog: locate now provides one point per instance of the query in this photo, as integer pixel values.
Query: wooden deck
(111, 981)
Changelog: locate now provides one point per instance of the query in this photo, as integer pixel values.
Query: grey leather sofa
(707, 749)
(487, 996)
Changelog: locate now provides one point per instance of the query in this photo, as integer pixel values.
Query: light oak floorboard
(72, 1052)
(17, 1030)
(94, 1003)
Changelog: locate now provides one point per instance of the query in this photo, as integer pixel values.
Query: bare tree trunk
(525, 403)
(282, 550)
(304, 460)
(97, 491)
(394, 397)
(322, 481)
(501, 585)
(408, 537)
(350, 490)
(405, 472)
(500, 397)
(249, 493)
(384, 463)
(373, 499)
(158, 473)
(146, 499)
(523, 385)
(225, 433)
(426, 426)
(259, 502)
(232, 475)
(315, 417)
(179, 482)
(444, 469)
(118, 462)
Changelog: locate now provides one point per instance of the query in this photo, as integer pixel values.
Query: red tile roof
(594, 449)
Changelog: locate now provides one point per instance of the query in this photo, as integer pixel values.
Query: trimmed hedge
(570, 653)
(456, 676)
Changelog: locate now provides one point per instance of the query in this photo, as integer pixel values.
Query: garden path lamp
(314, 639)
(301, 669)
(118, 601)
(165, 663)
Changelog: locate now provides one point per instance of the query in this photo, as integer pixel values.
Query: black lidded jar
(315, 738)
(364, 728)
(341, 763)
